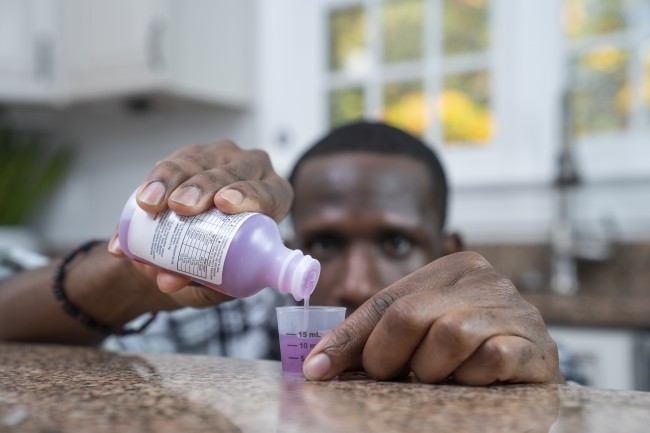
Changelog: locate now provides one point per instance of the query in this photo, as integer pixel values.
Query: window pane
(346, 37)
(465, 25)
(647, 80)
(345, 106)
(465, 108)
(405, 106)
(585, 18)
(600, 94)
(402, 23)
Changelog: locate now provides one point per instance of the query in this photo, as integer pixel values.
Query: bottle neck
(298, 274)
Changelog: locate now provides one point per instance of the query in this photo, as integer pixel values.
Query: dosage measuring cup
(300, 330)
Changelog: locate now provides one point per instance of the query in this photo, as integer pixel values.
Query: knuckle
(227, 144)
(261, 156)
(402, 316)
(169, 166)
(472, 261)
(208, 180)
(493, 355)
(280, 204)
(228, 172)
(451, 331)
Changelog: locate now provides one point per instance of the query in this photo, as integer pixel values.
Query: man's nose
(359, 278)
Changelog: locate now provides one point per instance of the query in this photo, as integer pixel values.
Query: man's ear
(453, 243)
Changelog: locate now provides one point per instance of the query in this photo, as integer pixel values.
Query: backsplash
(528, 266)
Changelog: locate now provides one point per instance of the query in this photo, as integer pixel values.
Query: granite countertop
(48, 388)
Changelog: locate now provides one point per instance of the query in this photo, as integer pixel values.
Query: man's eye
(323, 247)
(397, 245)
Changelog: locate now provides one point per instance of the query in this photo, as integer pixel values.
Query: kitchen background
(540, 110)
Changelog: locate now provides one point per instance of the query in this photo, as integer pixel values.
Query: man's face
(368, 218)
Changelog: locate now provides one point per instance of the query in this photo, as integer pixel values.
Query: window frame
(528, 60)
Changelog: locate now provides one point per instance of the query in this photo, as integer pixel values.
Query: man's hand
(197, 177)
(455, 317)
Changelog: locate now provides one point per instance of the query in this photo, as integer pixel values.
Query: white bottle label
(194, 246)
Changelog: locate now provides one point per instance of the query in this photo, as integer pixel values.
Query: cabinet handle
(44, 58)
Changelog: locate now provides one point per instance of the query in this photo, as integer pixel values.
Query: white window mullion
(433, 74)
(373, 89)
(637, 54)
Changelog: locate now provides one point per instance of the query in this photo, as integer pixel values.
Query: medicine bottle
(238, 254)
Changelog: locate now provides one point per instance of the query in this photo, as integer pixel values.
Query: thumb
(341, 348)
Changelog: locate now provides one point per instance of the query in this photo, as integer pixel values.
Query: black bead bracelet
(75, 312)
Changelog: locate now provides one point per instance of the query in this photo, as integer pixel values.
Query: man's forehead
(363, 181)
(365, 169)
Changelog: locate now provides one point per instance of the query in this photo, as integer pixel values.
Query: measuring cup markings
(296, 348)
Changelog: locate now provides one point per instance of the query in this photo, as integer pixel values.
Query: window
(605, 71)
(391, 43)
(484, 81)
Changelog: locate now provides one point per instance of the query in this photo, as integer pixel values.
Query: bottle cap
(305, 277)
(299, 275)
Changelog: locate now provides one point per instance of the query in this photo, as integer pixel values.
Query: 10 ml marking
(296, 347)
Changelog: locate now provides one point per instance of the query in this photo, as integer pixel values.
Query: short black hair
(377, 137)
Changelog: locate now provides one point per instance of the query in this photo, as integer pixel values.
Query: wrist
(106, 288)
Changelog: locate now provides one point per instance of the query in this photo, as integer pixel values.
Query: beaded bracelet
(75, 312)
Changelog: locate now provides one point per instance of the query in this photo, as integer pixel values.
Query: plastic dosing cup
(300, 329)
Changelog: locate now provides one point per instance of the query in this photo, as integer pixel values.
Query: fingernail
(189, 196)
(153, 194)
(114, 246)
(317, 367)
(232, 196)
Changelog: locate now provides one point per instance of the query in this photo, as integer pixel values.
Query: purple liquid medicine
(296, 348)
(238, 255)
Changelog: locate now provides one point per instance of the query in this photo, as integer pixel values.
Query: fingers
(396, 337)
(271, 197)
(342, 347)
(114, 246)
(453, 338)
(506, 358)
(421, 332)
(337, 351)
(198, 177)
(452, 313)
(169, 282)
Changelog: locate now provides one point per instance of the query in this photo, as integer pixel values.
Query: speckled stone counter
(67, 389)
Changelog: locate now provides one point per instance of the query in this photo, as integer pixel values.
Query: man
(370, 204)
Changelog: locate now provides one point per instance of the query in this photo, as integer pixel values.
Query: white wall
(117, 148)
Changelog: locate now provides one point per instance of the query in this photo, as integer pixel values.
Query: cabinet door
(111, 47)
(604, 356)
(27, 63)
(211, 50)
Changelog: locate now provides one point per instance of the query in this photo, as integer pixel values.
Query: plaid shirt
(243, 328)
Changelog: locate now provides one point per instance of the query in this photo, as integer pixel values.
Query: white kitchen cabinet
(210, 50)
(605, 356)
(26, 49)
(56, 52)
